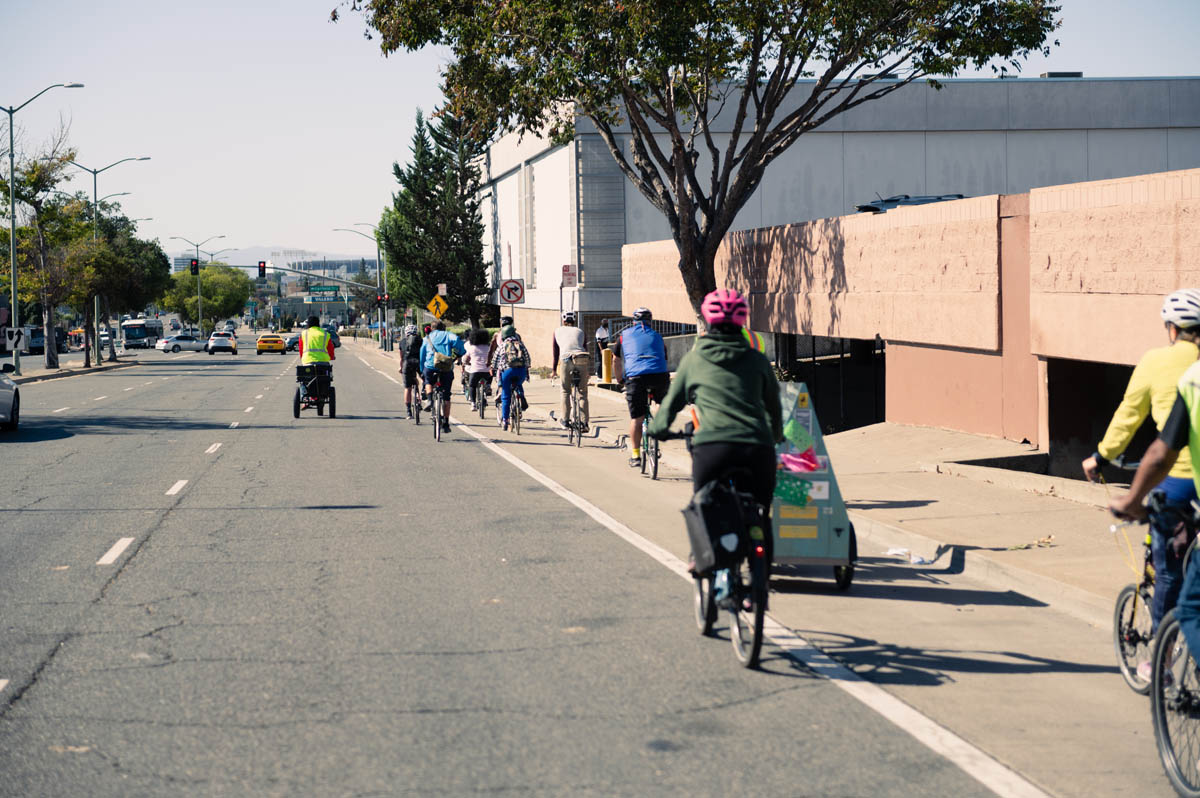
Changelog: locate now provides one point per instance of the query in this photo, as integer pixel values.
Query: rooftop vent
(883, 205)
(1062, 74)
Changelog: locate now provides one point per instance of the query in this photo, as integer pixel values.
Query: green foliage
(224, 291)
(771, 69)
(433, 233)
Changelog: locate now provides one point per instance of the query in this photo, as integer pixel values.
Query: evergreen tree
(411, 230)
(461, 218)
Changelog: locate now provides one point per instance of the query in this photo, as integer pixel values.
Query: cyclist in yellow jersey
(1154, 389)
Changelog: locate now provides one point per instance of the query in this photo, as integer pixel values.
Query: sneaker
(635, 462)
(504, 426)
(408, 413)
(583, 429)
(524, 403)
(445, 426)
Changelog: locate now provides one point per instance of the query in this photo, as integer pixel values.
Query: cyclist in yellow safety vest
(316, 345)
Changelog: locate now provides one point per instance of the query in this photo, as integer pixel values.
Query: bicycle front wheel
(1131, 637)
(1175, 707)
(749, 609)
(705, 604)
(437, 418)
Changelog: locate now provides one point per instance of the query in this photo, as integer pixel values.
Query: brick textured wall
(1102, 256)
(927, 274)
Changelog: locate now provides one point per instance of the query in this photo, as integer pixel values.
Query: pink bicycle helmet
(725, 306)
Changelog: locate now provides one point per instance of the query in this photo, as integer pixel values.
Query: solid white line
(233, 425)
(248, 409)
(3, 684)
(98, 398)
(212, 449)
(59, 410)
(111, 556)
(990, 772)
(260, 396)
(178, 486)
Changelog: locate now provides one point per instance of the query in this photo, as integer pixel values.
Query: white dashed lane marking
(248, 409)
(130, 388)
(233, 425)
(98, 398)
(3, 684)
(148, 383)
(178, 486)
(212, 449)
(59, 410)
(112, 554)
(260, 396)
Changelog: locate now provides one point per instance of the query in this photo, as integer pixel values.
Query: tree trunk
(51, 348)
(112, 332)
(87, 333)
(696, 268)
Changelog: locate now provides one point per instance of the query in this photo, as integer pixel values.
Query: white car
(226, 342)
(10, 401)
(179, 343)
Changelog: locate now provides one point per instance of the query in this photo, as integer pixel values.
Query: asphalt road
(342, 607)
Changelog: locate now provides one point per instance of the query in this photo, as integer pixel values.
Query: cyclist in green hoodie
(736, 396)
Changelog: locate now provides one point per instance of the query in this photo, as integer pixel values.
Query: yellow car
(271, 343)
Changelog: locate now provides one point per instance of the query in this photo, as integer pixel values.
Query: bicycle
(414, 406)
(514, 410)
(650, 451)
(438, 403)
(574, 422)
(1175, 699)
(742, 551)
(480, 398)
(1132, 622)
(314, 388)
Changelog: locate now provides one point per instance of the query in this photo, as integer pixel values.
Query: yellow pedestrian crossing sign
(438, 306)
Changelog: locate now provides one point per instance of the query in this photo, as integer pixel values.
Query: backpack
(412, 348)
(513, 354)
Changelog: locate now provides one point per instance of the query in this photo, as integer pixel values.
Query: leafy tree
(224, 291)
(773, 70)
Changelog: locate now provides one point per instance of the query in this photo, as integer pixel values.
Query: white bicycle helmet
(568, 317)
(643, 314)
(410, 329)
(1182, 308)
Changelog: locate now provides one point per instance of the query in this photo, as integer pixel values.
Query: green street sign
(323, 289)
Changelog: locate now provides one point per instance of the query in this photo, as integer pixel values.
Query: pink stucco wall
(1102, 255)
(927, 274)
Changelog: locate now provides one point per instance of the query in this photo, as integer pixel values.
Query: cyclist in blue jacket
(447, 344)
(644, 360)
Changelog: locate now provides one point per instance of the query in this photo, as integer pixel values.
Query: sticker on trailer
(819, 491)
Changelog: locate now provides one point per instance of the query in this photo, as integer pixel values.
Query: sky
(269, 125)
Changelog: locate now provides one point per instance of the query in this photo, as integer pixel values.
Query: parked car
(179, 343)
(270, 342)
(175, 324)
(221, 341)
(10, 400)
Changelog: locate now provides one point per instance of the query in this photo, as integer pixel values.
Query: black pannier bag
(715, 512)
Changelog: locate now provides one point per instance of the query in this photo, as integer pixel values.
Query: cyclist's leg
(564, 382)
(638, 403)
(506, 392)
(582, 366)
(1187, 609)
(1167, 557)
(446, 383)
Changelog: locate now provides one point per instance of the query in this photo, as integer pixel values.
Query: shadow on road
(46, 429)
(887, 663)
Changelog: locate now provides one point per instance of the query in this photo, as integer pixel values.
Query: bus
(141, 333)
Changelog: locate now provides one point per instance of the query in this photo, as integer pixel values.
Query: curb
(957, 559)
(1054, 487)
(58, 375)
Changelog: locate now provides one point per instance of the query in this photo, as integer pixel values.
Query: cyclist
(511, 362)
(644, 357)
(505, 321)
(441, 349)
(736, 395)
(476, 362)
(570, 350)
(316, 345)
(410, 352)
(601, 345)
(1152, 389)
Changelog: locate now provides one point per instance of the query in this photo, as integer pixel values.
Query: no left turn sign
(512, 292)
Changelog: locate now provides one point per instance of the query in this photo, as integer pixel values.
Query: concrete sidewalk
(905, 490)
(41, 373)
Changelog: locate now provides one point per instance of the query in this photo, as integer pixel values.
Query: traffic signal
(195, 266)
(378, 299)
(387, 300)
(262, 270)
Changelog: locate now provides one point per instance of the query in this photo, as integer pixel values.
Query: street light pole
(14, 315)
(96, 232)
(199, 306)
(383, 342)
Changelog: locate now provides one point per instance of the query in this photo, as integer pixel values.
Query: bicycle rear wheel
(437, 414)
(1131, 636)
(749, 609)
(415, 406)
(652, 447)
(1175, 707)
(577, 420)
(515, 415)
(705, 604)
(480, 399)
